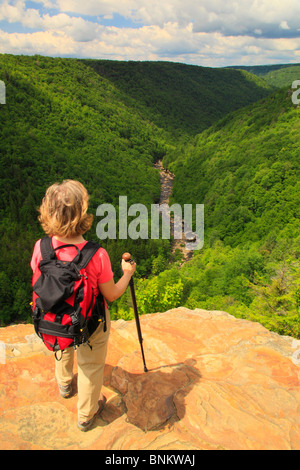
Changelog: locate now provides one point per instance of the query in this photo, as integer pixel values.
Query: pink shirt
(99, 268)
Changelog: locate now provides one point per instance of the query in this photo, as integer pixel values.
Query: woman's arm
(112, 291)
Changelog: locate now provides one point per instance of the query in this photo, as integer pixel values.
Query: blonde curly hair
(63, 211)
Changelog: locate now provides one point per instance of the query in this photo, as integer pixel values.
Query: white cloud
(247, 17)
(47, 3)
(11, 12)
(206, 32)
(43, 43)
(171, 42)
(96, 7)
(77, 28)
(225, 16)
(284, 25)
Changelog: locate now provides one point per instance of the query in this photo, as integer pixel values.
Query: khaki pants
(90, 370)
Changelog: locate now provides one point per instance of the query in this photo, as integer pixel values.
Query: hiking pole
(127, 257)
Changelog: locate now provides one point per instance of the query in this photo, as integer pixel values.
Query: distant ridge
(261, 70)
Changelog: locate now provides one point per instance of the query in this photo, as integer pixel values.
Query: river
(166, 184)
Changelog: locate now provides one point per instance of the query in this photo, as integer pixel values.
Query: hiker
(64, 218)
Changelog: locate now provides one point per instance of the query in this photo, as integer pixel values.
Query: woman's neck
(71, 240)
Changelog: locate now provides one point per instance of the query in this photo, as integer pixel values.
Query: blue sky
(211, 33)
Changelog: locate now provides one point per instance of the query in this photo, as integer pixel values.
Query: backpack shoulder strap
(87, 253)
(47, 250)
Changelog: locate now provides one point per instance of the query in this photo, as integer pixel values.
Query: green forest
(245, 169)
(229, 136)
(182, 99)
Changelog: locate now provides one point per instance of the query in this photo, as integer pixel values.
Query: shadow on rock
(151, 399)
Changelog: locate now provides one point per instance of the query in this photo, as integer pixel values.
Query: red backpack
(65, 310)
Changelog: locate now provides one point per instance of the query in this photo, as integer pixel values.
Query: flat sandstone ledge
(214, 382)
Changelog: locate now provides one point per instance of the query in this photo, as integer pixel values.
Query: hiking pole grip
(127, 257)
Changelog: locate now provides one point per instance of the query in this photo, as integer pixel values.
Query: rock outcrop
(214, 382)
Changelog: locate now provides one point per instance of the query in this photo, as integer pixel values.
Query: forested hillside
(184, 99)
(62, 120)
(106, 123)
(283, 77)
(278, 76)
(246, 170)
